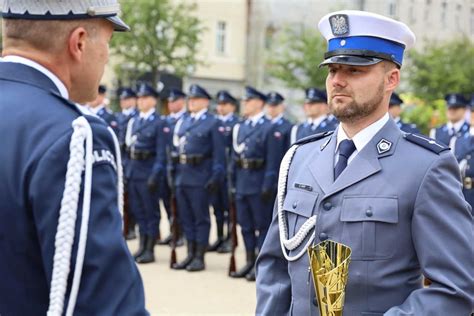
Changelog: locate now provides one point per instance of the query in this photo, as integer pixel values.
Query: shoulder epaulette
(313, 138)
(427, 143)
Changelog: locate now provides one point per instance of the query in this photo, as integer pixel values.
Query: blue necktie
(346, 148)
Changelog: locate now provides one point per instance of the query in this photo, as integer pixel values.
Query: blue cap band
(368, 43)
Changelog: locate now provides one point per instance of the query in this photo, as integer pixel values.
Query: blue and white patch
(383, 146)
(339, 24)
(104, 156)
(166, 130)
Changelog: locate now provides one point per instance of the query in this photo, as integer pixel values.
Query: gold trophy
(329, 263)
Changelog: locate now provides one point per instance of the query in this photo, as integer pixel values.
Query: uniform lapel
(366, 163)
(322, 164)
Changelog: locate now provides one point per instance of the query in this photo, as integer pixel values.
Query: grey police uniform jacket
(402, 212)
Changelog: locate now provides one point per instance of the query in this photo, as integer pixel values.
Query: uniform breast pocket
(298, 206)
(369, 226)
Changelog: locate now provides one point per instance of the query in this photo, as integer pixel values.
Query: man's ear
(77, 43)
(392, 78)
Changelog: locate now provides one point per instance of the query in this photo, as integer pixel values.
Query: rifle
(232, 213)
(174, 210)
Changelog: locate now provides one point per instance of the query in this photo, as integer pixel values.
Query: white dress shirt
(360, 139)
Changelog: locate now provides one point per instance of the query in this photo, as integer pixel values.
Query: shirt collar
(28, 62)
(276, 119)
(147, 114)
(254, 119)
(128, 112)
(177, 115)
(225, 118)
(198, 115)
(363, 137)
(96, 109)
(318, 120)
(457, 126)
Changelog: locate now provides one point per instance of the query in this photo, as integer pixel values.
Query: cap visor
(351, 60)
(119, 25)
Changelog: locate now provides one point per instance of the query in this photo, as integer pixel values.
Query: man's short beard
(354, 111)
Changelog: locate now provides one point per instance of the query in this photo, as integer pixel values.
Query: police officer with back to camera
(395, 109)
(198, 173)
(315, 108)
(281, 125)
(128, 103)
(61, 244)
(99, 108)
(145, 142)
(256, 170)
(177, 108)
(226, 108)
(456, 126)
(395, 199)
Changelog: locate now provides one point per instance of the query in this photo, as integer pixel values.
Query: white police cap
(364, 38)
(64, 10)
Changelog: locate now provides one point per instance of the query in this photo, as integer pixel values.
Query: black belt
(246, 163)
(141, 155)
(467, 183)
(192, 160)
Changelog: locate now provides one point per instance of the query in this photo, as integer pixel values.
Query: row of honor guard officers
(210, 155)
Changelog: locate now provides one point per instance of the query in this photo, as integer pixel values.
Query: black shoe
(246, 268)
(251, 275)
(165, 241)
(215, 245)
(149, 254)
(225, 247)
(180, 242)
(141, 248)
(183, 264)
(131, 235)
(197, 264)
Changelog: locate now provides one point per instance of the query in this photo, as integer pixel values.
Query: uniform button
(295, 204)
(327, 206)
(369, 213)
(323, 236)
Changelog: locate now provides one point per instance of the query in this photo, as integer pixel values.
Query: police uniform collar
(457, 126)
(147, 114)
(317, 121)
(362, 138)
(178, 114)
(30, 63)
(277, 119)
(97, 109)
(256, 118)
(128, 111)
(228, 117)
(199, 114)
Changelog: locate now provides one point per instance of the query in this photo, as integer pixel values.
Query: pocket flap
(370, 208)
(300, 202)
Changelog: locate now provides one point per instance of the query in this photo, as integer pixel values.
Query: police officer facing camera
(456, 126)
(61, 244)
(198, 173)
(395, 199)
(145, 140)
(316, 109)
(275, 108)
(395, 110)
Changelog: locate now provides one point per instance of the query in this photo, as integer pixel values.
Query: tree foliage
(295, 57)
(164, 36)
(442, 68)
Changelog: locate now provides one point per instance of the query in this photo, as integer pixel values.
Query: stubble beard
(354, 111)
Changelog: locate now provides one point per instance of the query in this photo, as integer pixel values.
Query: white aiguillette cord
(295, 241)
(81, 160)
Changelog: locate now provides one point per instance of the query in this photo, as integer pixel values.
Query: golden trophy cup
(329, 263)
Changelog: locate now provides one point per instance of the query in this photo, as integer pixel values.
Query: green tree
(164, 36)
(442, 68)
(295, 57)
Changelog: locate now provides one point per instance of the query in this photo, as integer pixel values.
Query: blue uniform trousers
(220, 204)
(193, 209)
(165, 196)
(253, 214)
(144, 206)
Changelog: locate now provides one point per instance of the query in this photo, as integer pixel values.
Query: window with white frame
(221, 37)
